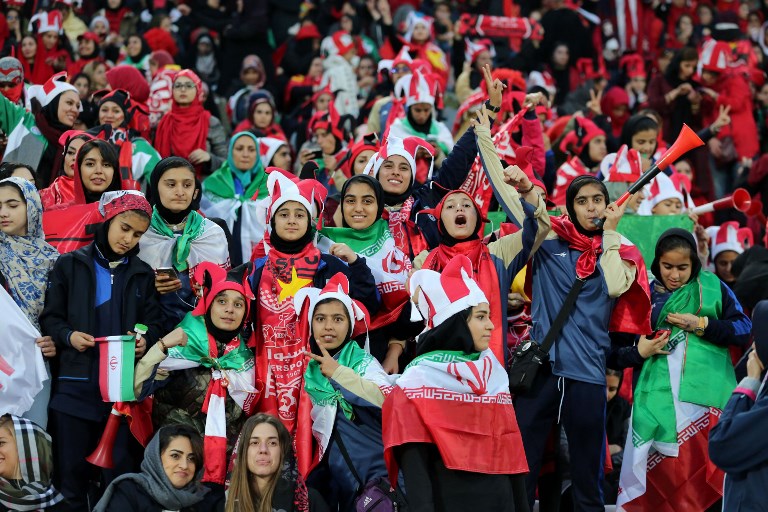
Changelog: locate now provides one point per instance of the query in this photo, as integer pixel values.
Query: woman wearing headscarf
(53, 51)
(188, 130)
(436, 419)
(25, 262)
(293, 262)
(62, 189)
(364, 231)
(137, 53)
(253, 78)
(461, 221)
(585, 146)
(232, 191)
(609, 279)
(346, 386)
(212, 385)
(99, 290)
(163, 70)
(686, 379)
(119, 122)
(262, 116)
(26, 484)
(179, 238)
(169, 478)
(34, 136)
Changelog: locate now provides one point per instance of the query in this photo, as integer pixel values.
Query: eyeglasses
(11, 17)
(184, 85)
(401, 69)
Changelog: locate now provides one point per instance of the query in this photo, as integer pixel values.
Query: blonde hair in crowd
(243, 495)
(6, 422)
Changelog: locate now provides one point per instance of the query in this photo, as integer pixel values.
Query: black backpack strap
(344, 453)
(562, 315)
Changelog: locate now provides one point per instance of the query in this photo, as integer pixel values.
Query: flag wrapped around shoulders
(116, 358)
(460, 403)
(22, 369)
(632, 310)
(388, 264)
(678, 399)
(200, 241)
(232, 374)
(325, 399)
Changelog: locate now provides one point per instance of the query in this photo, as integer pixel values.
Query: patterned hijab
(25, 261)
(34, 491)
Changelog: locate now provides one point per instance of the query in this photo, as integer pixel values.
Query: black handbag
(529, 356)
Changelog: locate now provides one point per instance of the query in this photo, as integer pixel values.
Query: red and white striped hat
(268, 146)
(714, 56)
(47, 22)
(54, 86)
(284, 187)
(661, 189)
(418, 87)
(440, 295)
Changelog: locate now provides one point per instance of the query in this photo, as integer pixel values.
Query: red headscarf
(183, 129)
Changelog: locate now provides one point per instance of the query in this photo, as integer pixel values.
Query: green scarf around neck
(192, 229)
(319, 387)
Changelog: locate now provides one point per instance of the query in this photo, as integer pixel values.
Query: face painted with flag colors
(228, 310)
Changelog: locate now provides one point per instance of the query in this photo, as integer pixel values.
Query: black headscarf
(419, 127)
(452, 334)
(690, 242)
(294, 247)
(760, 329)
(570, 196)
(372, 182)
(153, 196)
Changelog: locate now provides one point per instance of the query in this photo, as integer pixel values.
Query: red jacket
(734, 90)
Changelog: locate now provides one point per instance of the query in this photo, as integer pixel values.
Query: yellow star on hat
(289, 289)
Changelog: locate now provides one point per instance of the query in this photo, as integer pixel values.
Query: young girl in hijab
(347, 387)
(25, 263)
(117, 112)
(686, 379)
(612, 295)
(34, 136)
(460, 223)
(437, 416)
(137, 53)
(292, 263)
(212, 385)
(262, 116)
(232, 191)
(179, 238)
(102, 289)
(169, 478)
(53, 51)
(364, 231)
(97, 170)
(586, 148)
(25, 473)
(62, 189)
(265, 476)
(188, 130)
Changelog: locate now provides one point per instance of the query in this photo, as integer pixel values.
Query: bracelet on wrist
(490, 107)
(523, 192)
(163, 346)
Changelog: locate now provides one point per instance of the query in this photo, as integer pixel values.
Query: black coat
(131, 497)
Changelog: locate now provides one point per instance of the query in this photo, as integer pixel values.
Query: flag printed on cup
(116, 358)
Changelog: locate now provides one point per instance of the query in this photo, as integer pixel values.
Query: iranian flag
(116, 358)
(666, 467)
(450, 399)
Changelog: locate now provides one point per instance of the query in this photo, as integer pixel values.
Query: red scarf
(41, 71)
(408, 237)
(632, 310)
(184, 129)
(486, 276)
(280, 360)
(61, 191)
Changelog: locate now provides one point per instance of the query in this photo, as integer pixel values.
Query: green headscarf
(221, 183)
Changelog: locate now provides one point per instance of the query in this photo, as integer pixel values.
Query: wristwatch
(699, 330)
(491, 107)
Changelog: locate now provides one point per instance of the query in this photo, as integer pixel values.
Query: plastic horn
(102, 455)
(686, 141)
(740, 200)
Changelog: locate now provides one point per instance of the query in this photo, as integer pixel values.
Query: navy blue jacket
(738, 445)
(71, 305)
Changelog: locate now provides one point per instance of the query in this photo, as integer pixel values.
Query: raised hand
(328, 364)
(495, 87)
